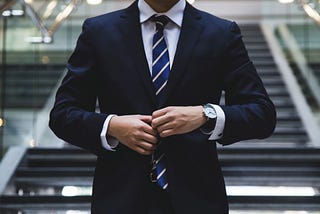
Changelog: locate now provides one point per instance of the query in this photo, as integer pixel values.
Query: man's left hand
(177, 120)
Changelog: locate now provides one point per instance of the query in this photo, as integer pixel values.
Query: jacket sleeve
(250, 114)
(73, 116)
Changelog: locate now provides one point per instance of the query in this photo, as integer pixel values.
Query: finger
(146, 146)
(161, 120)
(160, 112)
(148, 129)
(146, 118)
(142, 151)
(166, 126)
(150, 138)
(167, 133)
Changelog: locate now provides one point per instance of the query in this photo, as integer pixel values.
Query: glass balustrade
(37, 37)
(36, 40)
(31, 66)
(300, 40)
(2, 121)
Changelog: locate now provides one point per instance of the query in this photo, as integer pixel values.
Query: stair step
(23, 92)
(58, 161)
(271, 81)
(53, 181)
(55, 171)
(258, 203)
(251, 34)
(253, 51)
(43, 82)
(257, 47)
(46, 202)
(277, 203)
(266, 54)
(276, 180)
(261, 63)
(25, 104)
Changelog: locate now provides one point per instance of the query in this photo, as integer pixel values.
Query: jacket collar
(191, 29)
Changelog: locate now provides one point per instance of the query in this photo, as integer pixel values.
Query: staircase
(289, 129)
(29, 86)
(306, 38)
(316, 69)
(39, 182)
(307, 92)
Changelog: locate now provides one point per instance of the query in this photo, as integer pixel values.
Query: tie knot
(160, 21)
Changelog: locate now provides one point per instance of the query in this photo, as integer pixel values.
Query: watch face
(210, 112)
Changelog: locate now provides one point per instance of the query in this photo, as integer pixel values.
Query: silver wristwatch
(211, 115)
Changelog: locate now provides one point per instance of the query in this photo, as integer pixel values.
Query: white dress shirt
(171, 33)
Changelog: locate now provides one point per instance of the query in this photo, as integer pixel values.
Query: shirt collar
(175, 14)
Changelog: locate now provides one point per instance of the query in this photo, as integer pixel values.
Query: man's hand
(177, 120)
(135, 132)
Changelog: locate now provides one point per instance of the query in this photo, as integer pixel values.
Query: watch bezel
(210, 124)
(206, 108)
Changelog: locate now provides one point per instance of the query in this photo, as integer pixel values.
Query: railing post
(2, 83)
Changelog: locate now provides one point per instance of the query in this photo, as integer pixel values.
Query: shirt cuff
(217, 133)
(108, 142)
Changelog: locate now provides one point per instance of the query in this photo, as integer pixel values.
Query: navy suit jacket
(109, 64)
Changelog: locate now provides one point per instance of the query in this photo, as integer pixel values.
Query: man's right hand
(135, 132)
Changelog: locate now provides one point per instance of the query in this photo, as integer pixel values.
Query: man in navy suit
(114, 62)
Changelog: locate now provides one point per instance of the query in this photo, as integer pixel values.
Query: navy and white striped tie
(160, 75)
(160, 57)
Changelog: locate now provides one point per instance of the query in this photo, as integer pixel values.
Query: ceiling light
(39, 39)
(76, 191)
(94, 2)
(2, 122)
(6, 13)
(13, 13)
(32, 143)
(285, 1)
(17, 12)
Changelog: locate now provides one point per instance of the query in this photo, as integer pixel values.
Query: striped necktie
(160, 57)
(160, 75)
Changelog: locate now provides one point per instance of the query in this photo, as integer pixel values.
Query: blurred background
(41, 174)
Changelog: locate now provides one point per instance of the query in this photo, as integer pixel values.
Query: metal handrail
(301, 61)
(306, 114)
(63, 15)
(6, 5)
(36, 19)
(47, 32)
(309, 7)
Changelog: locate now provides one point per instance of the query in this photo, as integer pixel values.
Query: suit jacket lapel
(131, 32)
(132, 36)
(190, 31)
